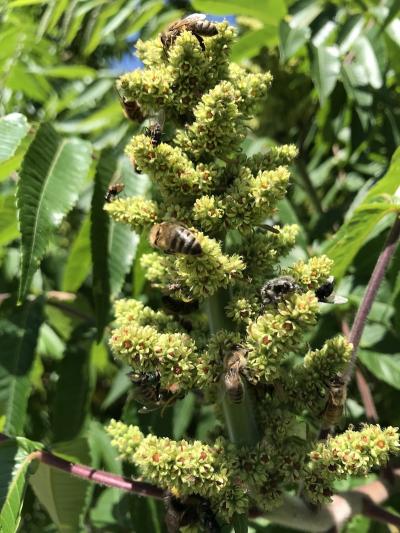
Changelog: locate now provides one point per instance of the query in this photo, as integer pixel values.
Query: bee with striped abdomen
(333, 410)
(196, 24)
(234, 365)
(131, 109)
(174, 238)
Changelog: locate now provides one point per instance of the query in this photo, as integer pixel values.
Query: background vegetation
(334, 95)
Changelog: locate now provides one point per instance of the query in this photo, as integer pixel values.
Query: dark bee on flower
(174, 238)
(325, 293)
(179, 307)
(234, 366)
(196, 24)
(277, 288)
(113, 191)
(189, 511)
(131, 109)
(146, 389)
(268, 227)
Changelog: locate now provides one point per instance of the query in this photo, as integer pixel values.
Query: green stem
(239, 418)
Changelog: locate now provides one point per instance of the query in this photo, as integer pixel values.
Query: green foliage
(51, 165)
(62, 132)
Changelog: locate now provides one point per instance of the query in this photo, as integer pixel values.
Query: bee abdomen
(233, 386)
(206, 28)
(184, 242)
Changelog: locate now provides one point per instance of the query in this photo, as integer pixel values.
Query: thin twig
(370, 293)
(363, 387)
(378, 513)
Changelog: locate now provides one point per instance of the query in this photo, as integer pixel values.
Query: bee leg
(201, 41)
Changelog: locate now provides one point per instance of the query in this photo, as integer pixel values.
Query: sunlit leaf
(13, 129)
(385, 367)
(69, 72)
(325, 69)
(249, 44)
(78, 264)
(63, 496)
(268, 11)
(52, 169)
(345, 244)
(8, 220)
(14, 472)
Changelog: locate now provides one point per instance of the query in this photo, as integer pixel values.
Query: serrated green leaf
(325, 69)
(345, 244)
(99, 238)
(51, 172)
(268, 11)
(385, 367)
(7, 168)
(74, 387)
(78, 264)
(8, 220)
(249, 44)
(65, 497)
(13, 129)
(14, 472)
(19, 331)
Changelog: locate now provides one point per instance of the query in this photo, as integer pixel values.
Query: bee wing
(336, 299)
(194, 17)
(183, 23)
(161, 117)
(121, 98)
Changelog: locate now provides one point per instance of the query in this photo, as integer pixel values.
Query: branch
(363, 387)
(101, 477)
(294, 512)
(370, 293)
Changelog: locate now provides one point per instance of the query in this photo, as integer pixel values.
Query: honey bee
(267, 227)
(113, 191)
(155, 129)
(146, 390)
(189, 511)
(234, 365)
(173, 238)
(333, 410)
(178, 307)
(131, 109)
(325, 293)
(275, 289)
(195, 23)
